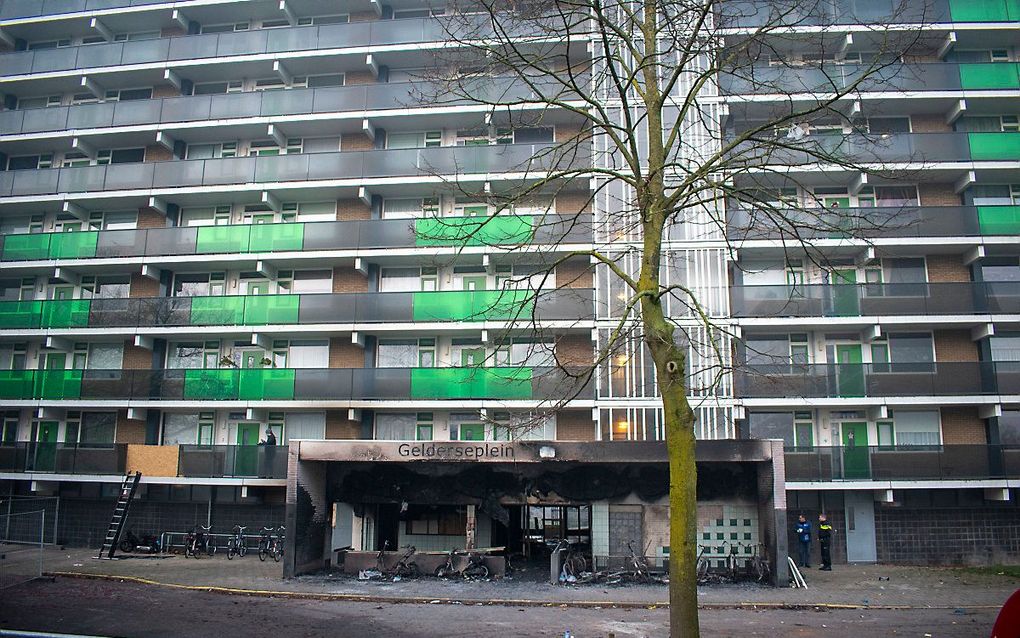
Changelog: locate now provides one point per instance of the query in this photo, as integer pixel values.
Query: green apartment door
(855, 450)
(44, 459)
(840, 217)
(844, 293)
(849, 370)
(246, 456)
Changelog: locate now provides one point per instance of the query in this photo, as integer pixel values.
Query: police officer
(825, 542)
(803, 531)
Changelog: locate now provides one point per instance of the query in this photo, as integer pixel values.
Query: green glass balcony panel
(984, 10)
(994, 146)
(277, 237)
(25, 247)
(261, 310)
(74, 245)
(58, 384)
(473, 305)
(471, 383)
(999, 220)
(474, 231)
(258, 384)
(20, 314)
(990, 75)
(65, 313)
(215, 385)
(17, 384)
(223, 239)
(217, 311)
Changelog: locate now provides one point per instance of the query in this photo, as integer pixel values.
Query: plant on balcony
(659, 161)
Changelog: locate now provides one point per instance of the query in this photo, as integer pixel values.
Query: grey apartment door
(860, 526)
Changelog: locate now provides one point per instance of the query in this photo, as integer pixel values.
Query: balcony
(238, 43)
(911, 463)
(321, 167)
(202, 108)
(203, 461)
(563, 304)
(301, 384)
(915, 148)
(755, 13)
(991, 76)
(855, 300)
(502, 230)
(854, 380)
(889, 222)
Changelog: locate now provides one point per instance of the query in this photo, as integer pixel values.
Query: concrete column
(772, 512)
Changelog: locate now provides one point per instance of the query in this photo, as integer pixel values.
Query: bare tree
(668, 131)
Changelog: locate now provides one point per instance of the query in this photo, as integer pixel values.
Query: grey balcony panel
(341, 98)
(165, 311)
(16, 63)
(82, 179)
(235, 105)
(136, 112)
(97, 384)
(51, 59)
(48, 119)
(241, 43)
(89, 115)
(394, 162)
(37, 182)
(14, 121)
(345, 35)
(235, 170)
(191, 108)
(755, 13)
(380, 383)
(1002, 296)
(121, 243)
(6, 183)
(396, 32)
(171, 241)
(145, 51)
(332, 236)
(860, 380)
(296, 39)
(338, 165)
(1007, 377)
(286, 102)
(565, 303)
(284, 168)
(385, 307)
(130, 176)
(189, 173)
(104, 313)
(196, 46)
(315, 309)
(382, 96)
(96, 55)
(893, 221)
(386, 233)
(319, 384)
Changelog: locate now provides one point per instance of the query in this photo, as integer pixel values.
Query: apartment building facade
(221, 218)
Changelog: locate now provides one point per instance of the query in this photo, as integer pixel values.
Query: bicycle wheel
(230, 551)
(262, 554)
(242, 550)
(762, 570)
(702, 568)
(277, 554)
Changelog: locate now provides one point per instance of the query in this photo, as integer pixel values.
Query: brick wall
(575, 350)
(338, 426)
(129, 430)
(352, 209)
(929, 124)
(574, 273)
(149, 218)
(142, 286)
(955, 345)
(349, 280)
(172, 32)
(948, 536)
(344, 354)
(359, 77)
(961, 425)
(574, 425)
(136, 358)
(947, 269)
(938, 195)
(567, 132)
(158, 153)
(567, 203)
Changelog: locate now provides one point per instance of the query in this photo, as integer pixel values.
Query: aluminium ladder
(120, 513)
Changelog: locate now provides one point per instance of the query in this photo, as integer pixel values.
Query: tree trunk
(683, 514)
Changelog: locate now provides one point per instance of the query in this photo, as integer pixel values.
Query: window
(270, 84)
(917, 428)
(880, 356)
(800, 353)
(406, 353)
(396, 427)
(126, 95)
(98, 427)
(105, 286)
(803, 429)
(29, 162)
(886, 125)
(48, 44)
(444, 522)
(38, 102)
(136, 35)
(911, 348)
(198, 285)
(334, 79)
(211, 151)
(885, 433)
(399, 280)
(534, 135)
(263, 148)
(529, 352)
(421, 139)
(74, 159)
(340, 18)
(181, 429)
(10, 430)
(403, 14)
(214, 88)
(424, 429)
(120, 156)
(275, 24)
(224, 28)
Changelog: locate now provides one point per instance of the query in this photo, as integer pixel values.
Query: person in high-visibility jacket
(825, 542)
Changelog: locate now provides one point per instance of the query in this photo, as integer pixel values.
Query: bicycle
(760, 568)
(702, 563)
(637, 566)
(276, 550)
(198, 542)
(475, 568)
(574, 563)
(406, 567)
(236, 544)
(265, 542)
(447, 570)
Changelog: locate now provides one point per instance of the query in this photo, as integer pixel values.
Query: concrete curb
(504, 602)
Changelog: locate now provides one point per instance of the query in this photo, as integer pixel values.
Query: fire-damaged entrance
(522, 498)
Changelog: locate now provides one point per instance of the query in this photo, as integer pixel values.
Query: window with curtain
(180, 429)
(400, 280)
(305, 425)
(98, 427)
(308, 354)
(532, 353)
(397, 353)
(911, 352)
(917, 428)
(313, 281)
(395, 427)
(402, 208)
(1005, 348)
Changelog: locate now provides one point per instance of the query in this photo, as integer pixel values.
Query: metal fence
(21, 547)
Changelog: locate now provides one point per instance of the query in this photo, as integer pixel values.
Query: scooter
(146, 544)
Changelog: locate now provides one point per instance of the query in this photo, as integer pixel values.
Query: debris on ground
(369, 574)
